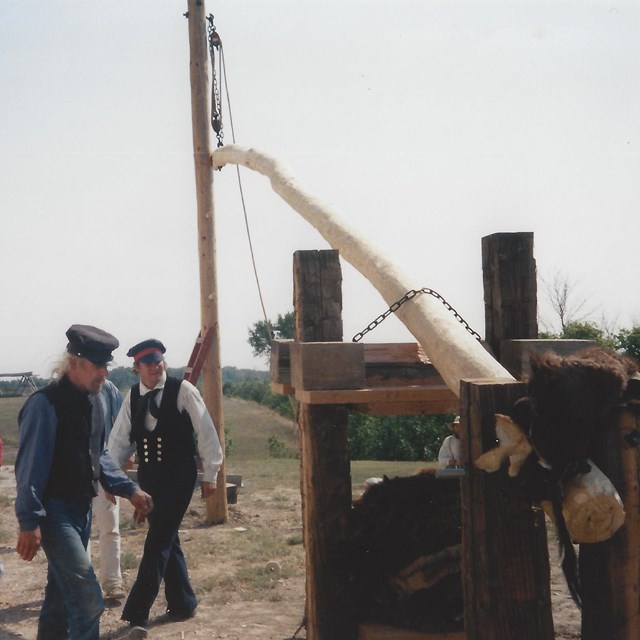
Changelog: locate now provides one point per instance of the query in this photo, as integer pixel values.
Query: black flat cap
(91, 343)
(147, 351)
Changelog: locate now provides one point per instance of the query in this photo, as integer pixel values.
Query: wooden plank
(327, 365)
(406, 352)
(375, 631)
(437, 393)
(407, 408)
(515, 354)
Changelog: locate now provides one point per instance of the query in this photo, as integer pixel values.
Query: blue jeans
(73, 600)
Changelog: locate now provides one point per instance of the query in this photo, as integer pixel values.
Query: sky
(428, 125)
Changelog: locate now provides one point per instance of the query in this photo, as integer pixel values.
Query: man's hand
(28, 544)
(142, 503)
(207, 489)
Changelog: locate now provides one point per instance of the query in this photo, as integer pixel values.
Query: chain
(216, 105)
(408, 296)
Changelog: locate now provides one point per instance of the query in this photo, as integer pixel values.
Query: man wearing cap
(59, 463)
(449, 454)
(162, 418)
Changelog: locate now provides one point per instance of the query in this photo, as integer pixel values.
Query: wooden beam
(438, 393)
(406, 408)
(327, 365)
(341, 365)
(510, 288)
(217, 512)
(325, 471)
(280, 363)
(505, 564)
(610, 570)
(375, 631)
(453, 350)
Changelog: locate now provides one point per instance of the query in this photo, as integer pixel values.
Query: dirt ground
(233, 603)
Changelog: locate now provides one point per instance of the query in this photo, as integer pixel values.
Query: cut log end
(592, 518)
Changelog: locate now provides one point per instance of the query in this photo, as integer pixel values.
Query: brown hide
(398, 524)
(568, 399)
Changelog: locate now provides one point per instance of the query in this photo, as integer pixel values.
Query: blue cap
(147, 351)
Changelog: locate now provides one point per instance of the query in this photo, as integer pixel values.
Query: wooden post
(505, 563)
(510, 288)
(201, 129)
(325, 473)
(610, 570)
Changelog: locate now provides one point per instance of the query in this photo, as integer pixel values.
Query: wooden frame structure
(26, 384)
(505, 558)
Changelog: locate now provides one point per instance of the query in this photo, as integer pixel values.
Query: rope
(223, 73)
(216, 41)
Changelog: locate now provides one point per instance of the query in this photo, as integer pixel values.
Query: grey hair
(62, 366)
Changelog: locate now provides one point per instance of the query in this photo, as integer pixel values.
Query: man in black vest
(162, 418)
(59, 463)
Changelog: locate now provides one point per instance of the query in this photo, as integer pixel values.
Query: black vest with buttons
(172, 441)
(71, 476)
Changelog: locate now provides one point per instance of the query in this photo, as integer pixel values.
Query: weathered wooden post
(505, 564)
(610, 570)
(201, 129)
(325, 473)
(506, 575)
(510, 288)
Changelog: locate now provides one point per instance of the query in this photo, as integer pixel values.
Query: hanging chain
(408, 296)
(215, 43)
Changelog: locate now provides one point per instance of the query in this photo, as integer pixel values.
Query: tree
(568, 307)
(263, 332)
(628, 341)
(396, 437)
(588, 331)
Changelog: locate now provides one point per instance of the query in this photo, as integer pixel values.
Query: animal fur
(569, 399)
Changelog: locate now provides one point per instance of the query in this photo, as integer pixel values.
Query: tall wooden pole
(200, 117)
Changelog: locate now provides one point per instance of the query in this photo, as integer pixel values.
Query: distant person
(59, 463)
(162, 418)
(107, 404)
(449, 454)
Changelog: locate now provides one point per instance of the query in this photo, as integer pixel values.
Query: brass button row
(145, 445)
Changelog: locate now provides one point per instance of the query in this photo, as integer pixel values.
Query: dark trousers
(171, 487)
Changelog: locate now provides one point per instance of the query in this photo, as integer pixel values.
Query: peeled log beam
(454, 352)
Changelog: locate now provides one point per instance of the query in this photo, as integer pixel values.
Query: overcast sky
(427, 124)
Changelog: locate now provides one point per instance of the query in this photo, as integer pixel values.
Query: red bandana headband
(146, 352)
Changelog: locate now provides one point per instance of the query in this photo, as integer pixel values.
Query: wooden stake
(201, 128)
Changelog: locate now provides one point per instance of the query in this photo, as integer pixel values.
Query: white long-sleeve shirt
(450, 450)
(189, 400)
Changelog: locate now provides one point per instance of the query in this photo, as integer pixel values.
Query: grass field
(248, 426)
